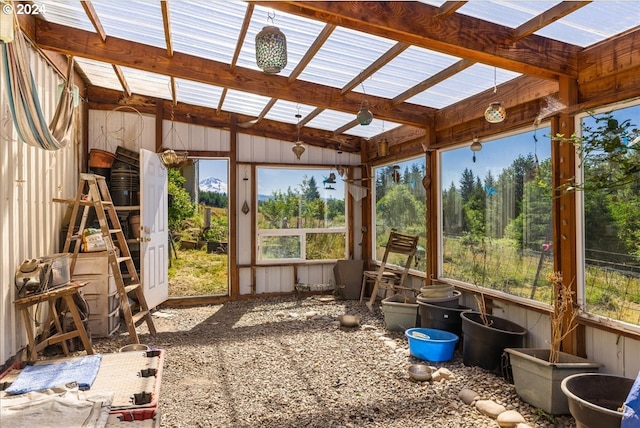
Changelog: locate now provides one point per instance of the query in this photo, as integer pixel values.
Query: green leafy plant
(609, 150)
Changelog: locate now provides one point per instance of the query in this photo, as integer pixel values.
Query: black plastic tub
(594, 398)
(441, 317)
(483, 345)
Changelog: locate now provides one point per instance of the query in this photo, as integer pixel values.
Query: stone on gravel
(509, 419)
(490, 408)
(468, 396)
(441, 374)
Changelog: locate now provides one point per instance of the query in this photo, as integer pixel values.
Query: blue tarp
(631, 412)
(39, 377)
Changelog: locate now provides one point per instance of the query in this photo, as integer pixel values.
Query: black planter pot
(441, 317)
(483, 345)
(595, 397)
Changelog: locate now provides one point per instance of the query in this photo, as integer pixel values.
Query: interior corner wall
(30, 178)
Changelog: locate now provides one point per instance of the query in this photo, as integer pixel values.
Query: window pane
(400, 206)
(308, 203)
(612, 214)
(496, 215)
(322, 246)
(280, 247)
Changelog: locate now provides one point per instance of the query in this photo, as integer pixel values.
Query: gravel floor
(272, 363)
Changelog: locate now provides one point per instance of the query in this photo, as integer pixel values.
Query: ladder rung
(112, 231)
(138, 316)
(131, 287)
(122, 259)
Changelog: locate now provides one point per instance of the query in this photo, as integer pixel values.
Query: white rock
(490, 408)
(280, 314)
(523, 425)
(310, 314)
(442, 374)
(509, 419)
(368, 327)
(391, 343)
(293, 315)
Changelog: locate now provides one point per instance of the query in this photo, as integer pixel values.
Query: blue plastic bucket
(430, 344)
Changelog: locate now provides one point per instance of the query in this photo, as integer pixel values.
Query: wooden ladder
(94, 193)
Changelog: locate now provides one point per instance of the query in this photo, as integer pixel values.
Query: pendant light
(496, 112)
(298, 148)
(364, 116)
(271, 48)
(476, 146)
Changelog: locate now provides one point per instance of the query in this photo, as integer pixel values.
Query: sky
(495, 156)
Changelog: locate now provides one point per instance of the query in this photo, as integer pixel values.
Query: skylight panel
(139, 21)
(197, 93)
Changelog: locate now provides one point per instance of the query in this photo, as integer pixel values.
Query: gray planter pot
(400, 312)
(538, 382)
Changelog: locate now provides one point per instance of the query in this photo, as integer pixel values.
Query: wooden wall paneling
(606, 348)
(196, 138)
(630, 352)
(245, 280)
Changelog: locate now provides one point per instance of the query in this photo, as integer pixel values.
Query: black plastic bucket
(441, 317)
(483, 345)
(594, 398)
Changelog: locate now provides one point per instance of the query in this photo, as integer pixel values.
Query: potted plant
(484, 335)
(539, 372)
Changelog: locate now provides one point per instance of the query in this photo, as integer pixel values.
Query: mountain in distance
(212, 184)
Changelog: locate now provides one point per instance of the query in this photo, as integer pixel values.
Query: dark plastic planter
(441, 317)
(484, 345)
(595, 397)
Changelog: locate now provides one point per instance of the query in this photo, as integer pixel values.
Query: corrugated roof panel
(66, 12)
(285, 111)
(408, 69)
(343, 56)
(136, 20)
(471, 81)
(594, 22)
(330, 120)
(197, 93)
(149, 84)
(99, 73)
(218, 26)
(244, 103)
(374, 128)
(508, 13)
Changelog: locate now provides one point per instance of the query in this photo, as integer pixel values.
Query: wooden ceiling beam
(311, 52)
(470, 38)
(551, 15)
(376, 65)
(441, 76)
(85, 44)
(448, 8)
(107, 99)
(236, 54)
(166, 23)
(97, 25)
(519, 91)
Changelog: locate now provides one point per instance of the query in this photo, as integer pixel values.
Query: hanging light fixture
(170, 158)
(271, 48)
(298, 148)
(476, 146)
(383, 147)
(496, 112)
(364, 116)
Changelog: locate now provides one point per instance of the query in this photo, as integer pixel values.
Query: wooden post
(565, 234)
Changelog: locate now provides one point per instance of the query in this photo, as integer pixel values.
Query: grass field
(198, 273)
(501, 266)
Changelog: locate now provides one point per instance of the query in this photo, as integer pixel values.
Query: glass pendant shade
(365, 117)
(271, 50)
(298, 149)
(495, 113)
